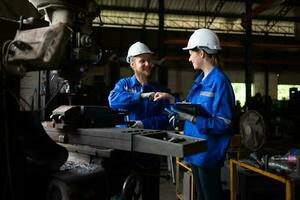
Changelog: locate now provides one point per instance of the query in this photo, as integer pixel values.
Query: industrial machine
(33, 158)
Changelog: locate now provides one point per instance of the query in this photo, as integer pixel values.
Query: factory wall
(180, 71)
(180, 81)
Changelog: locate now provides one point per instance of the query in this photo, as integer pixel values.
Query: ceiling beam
(146, 14)
(282, 12)
(257, 10)
(241, 61)
(195, 13)
(239, 44)
(217, 9)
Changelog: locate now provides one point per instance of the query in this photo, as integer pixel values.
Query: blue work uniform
(216, 96)
(127, 96)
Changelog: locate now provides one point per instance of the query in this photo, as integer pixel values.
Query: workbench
(289, 182)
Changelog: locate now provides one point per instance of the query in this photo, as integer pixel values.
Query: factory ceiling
(273, 17)
(271, 20)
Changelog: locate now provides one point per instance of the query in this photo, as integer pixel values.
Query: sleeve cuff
(146, 124)
(201, 123)
(136, 96)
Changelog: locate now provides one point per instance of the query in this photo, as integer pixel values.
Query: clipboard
(193, 109)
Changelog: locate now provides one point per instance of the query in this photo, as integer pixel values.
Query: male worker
(135, 94)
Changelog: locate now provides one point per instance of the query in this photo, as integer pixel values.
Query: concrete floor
(167, 189)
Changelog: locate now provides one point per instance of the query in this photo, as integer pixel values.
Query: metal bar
(143, 37)
(180, 165)
(251, 13)
(192, 188)
(146, 13)
(288, 193)
(262, 172)
(266, 81)
(162, 71)
(232, 180)
(216, 10)
(172, 169)
(248, 49)
(283, 11)
(183, 165)
(177, 179)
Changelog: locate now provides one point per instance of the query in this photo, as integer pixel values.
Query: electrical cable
(5, 118)
(18, 101)
(32, 98)
(54, 95)
(4, 52)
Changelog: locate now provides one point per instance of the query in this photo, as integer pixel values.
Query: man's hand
(145, 95)
(137, 124)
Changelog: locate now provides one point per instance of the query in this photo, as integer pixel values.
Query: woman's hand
(164, 95)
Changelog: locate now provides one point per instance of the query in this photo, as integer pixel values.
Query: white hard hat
(205, 39)
(136, 49)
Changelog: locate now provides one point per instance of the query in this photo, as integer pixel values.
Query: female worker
(135, 94)
(212, 91)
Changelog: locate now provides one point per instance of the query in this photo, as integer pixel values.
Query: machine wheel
(132, 187)
(58, 190)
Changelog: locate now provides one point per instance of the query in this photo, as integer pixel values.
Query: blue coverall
(126, 96)
(216, 96)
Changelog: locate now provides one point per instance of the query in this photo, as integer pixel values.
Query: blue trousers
(207, 183)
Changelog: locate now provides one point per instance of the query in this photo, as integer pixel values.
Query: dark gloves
(175, 115)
